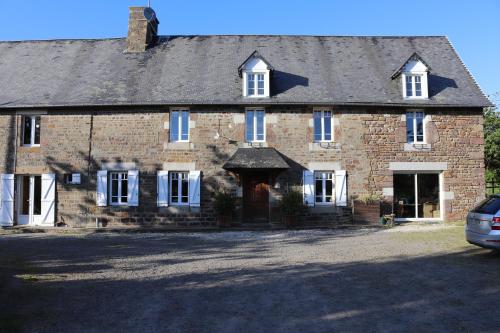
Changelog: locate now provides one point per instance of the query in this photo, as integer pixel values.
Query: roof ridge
(226, 35)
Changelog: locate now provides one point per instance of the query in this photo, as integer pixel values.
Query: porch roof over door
(256, 158)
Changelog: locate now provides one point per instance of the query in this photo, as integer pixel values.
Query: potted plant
(366, 208)
(291, 206)
(224, 207)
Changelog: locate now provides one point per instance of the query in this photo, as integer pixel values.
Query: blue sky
(472, 26)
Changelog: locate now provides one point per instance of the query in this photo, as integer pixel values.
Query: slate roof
(256, 158)
(195, 70)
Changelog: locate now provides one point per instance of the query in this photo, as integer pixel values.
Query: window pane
(317, 126)
(249, 126)
(37, 130)
(27, 131)
(409, 127)
(420, 126)
(124, 193)
(185, 188)
(428, 195)
(329, 187)
(114, 187)
(328, 125)
(409, 88)
(174, 126)
(319, 189)
(37, 205)
(418, 86)
(404, 195)
(260, 84)
(185, 125)
(175, 188)
(251, 84)
(260, 125)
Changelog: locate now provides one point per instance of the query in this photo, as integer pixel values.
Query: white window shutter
(308, 187)
(48, 199)
(162, 188)
(6, 200)
(194, 188)
(341, 188)
(102, 188)
(133, 188)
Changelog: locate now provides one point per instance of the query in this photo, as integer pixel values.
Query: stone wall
(366, 141)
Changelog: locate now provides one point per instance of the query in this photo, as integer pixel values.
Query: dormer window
(413, 85)
(414, 78)
(256, 75)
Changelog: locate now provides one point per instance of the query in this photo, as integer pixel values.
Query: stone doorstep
(175, 229)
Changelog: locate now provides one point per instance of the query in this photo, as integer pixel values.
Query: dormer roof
(254, 55)
(414, 57)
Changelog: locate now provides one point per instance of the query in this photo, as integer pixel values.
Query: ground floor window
(118, 188)
(324, 187)
(179, 188)
(416, 195)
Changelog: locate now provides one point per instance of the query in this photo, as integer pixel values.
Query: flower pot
(224, 220)
(290, 220)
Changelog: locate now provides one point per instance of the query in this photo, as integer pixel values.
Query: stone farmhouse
(143, 130)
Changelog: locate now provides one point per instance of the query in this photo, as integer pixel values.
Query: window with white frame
(179, 125)
(324, 187)
(323, 124)
(415, 127)
(255, 125)
(118, 188)
(413, 86)
(256, 84)
(179, 188)
(31, 131)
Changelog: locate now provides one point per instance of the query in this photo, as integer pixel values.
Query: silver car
(483, 224)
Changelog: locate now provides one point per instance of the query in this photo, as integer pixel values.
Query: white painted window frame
(414, 112)
(441, 197)
(323, 110)
(323, 201)
(256, 84)
(254, 134)
(179, 134)
(120, 174)
(33, 129)
(179, 187)
(423, 85)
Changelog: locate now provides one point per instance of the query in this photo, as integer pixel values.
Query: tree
(492, 144)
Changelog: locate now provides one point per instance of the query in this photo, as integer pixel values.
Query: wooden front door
(256, 197)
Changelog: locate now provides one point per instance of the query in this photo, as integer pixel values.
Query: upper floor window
(414, 81)
(255, 84)
(323, 126)
(255, 125)
(415, 127)
(179, 126)
(31, 131)
(413, 85)
(255, 72)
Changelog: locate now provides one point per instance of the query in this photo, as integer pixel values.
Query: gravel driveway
(416, 279)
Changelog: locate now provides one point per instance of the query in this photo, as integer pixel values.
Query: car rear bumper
(483, 240)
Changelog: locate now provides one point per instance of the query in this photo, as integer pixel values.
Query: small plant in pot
(291, 206)
(224, 207)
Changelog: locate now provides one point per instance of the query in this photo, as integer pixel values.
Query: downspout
(16, 130)
(89, 157)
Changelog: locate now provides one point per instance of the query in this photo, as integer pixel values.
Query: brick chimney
(142, 29)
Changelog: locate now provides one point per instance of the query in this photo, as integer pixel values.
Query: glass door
(30, 200)
(417, 196)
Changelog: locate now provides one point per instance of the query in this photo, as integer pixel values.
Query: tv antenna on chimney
(149, 3)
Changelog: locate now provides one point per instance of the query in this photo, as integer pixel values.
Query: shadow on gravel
(444, 292)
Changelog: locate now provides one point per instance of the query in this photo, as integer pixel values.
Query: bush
(291, 203)
(370, 199)
(224, 203)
